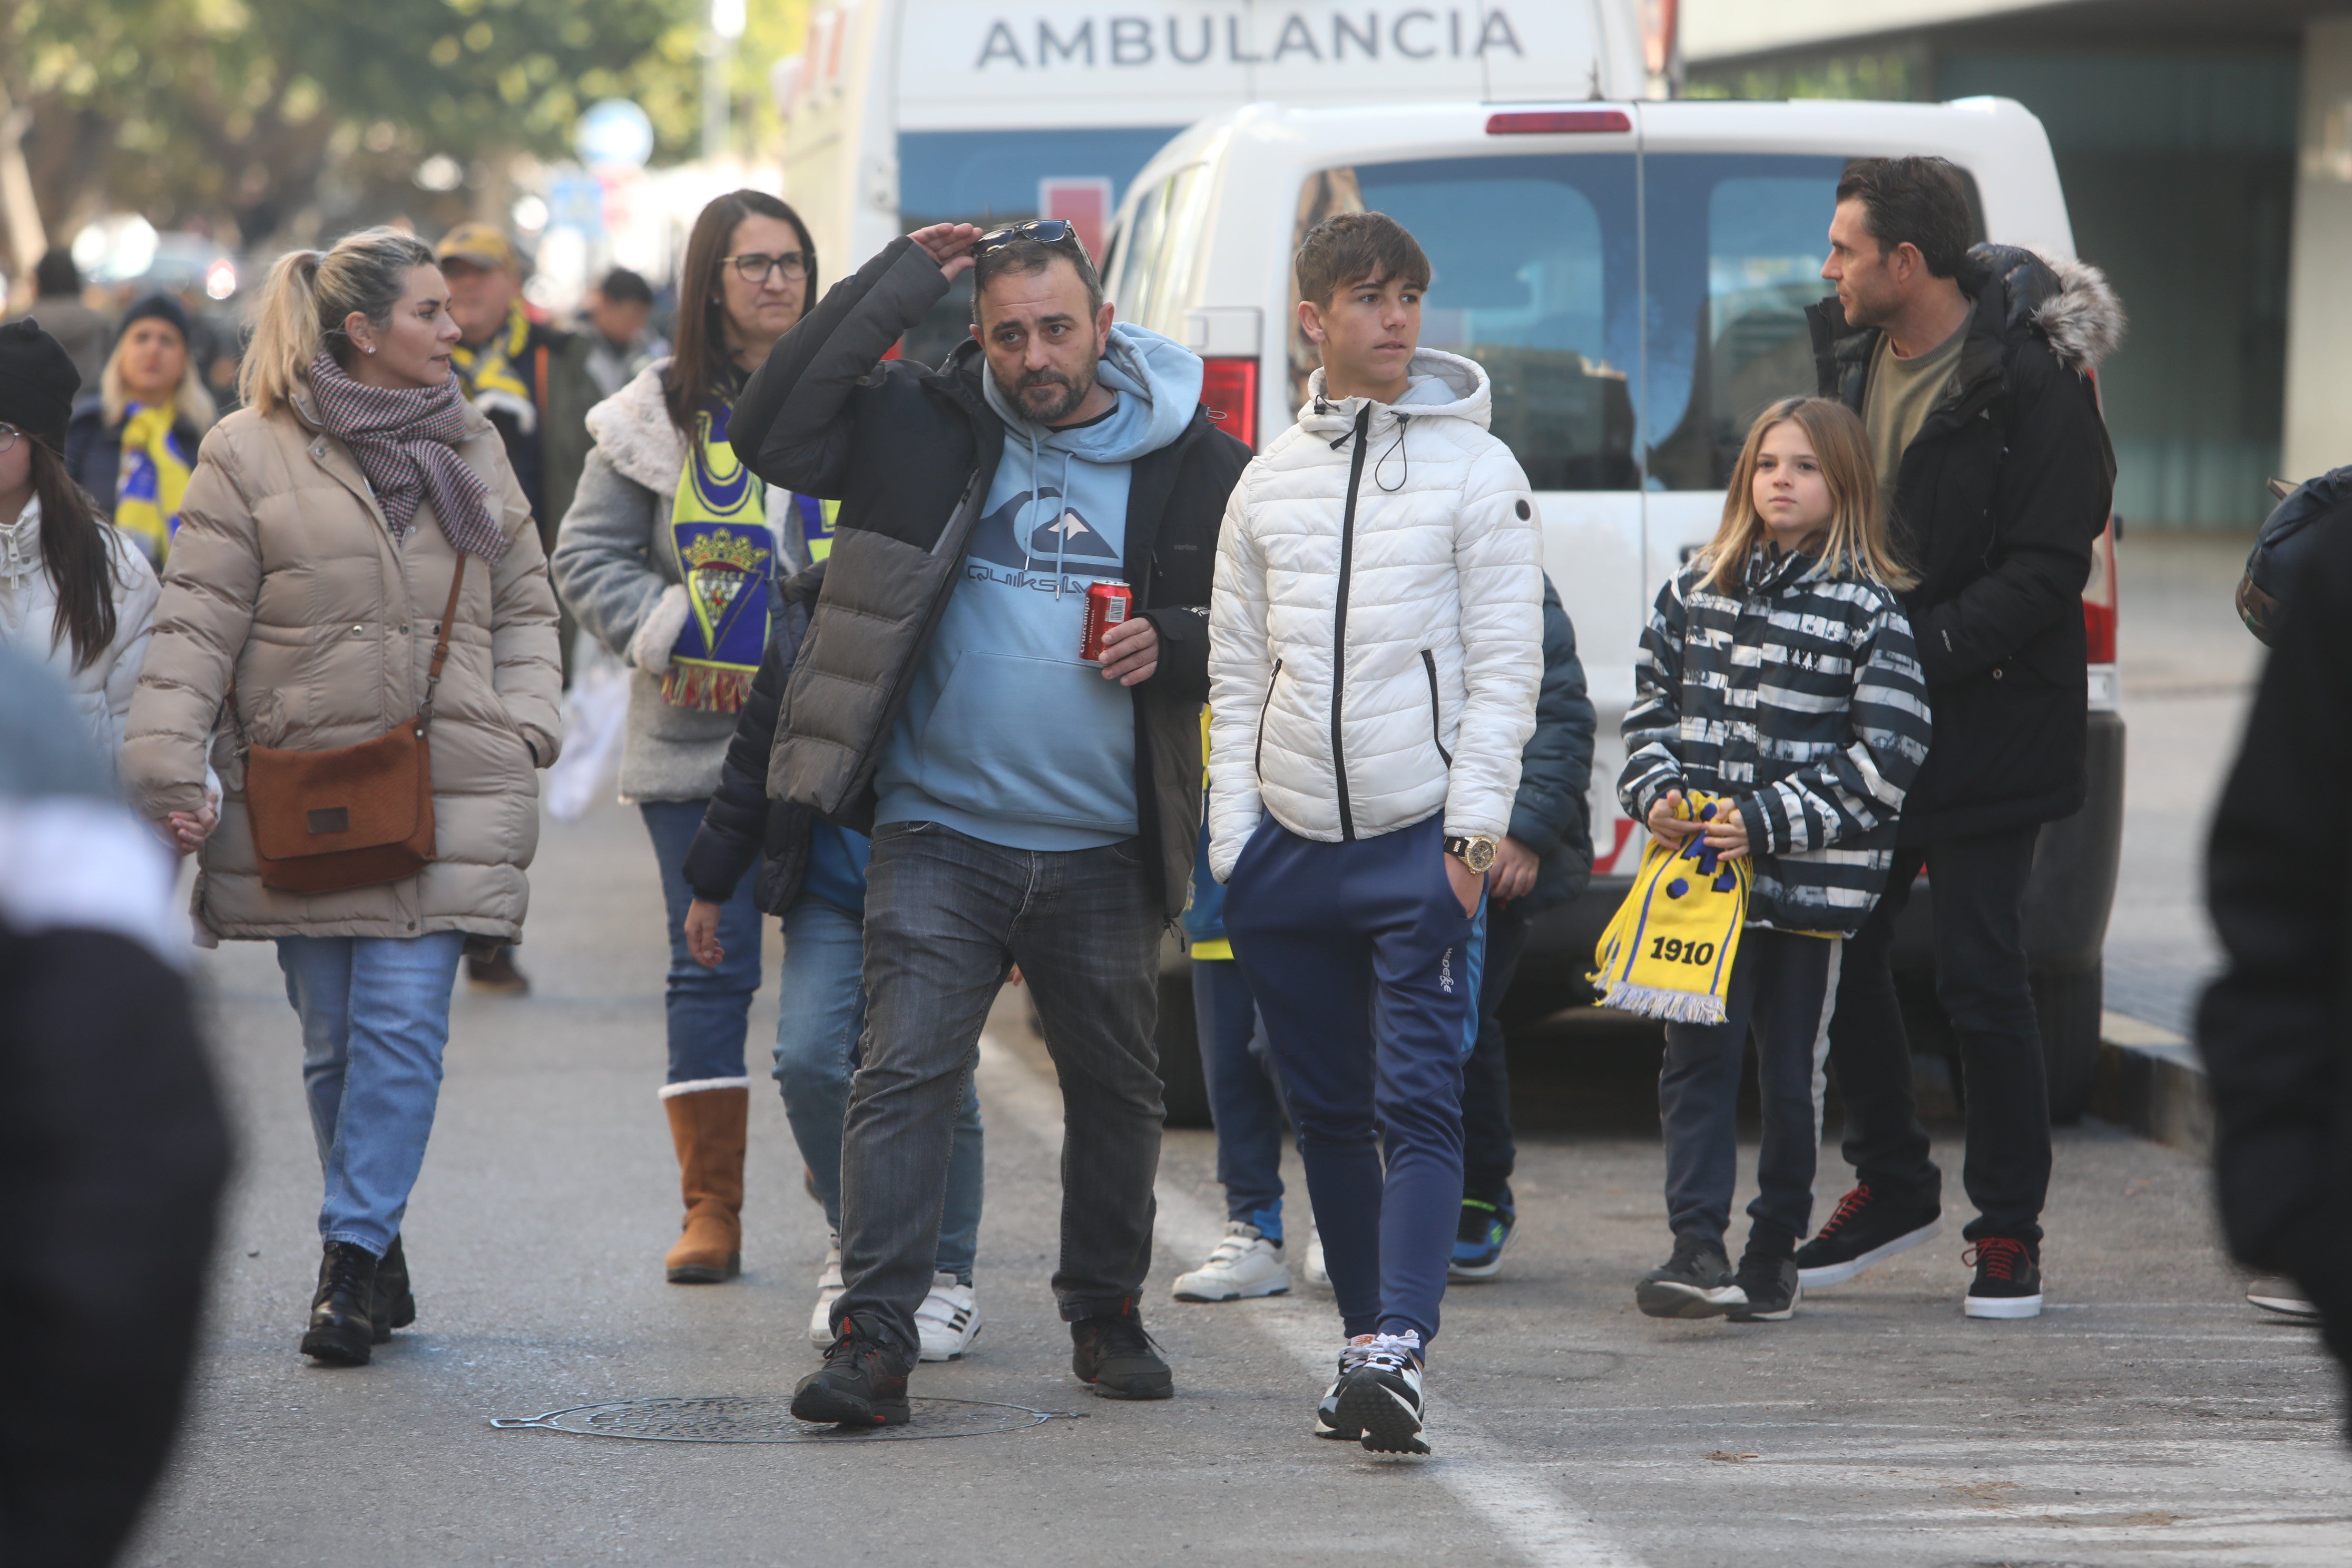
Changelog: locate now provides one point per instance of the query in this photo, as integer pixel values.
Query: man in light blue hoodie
(1028, 807)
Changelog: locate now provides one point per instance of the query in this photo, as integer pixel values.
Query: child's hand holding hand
(1666, 823)
(1727, 835)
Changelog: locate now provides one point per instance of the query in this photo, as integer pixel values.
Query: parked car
(1633, 277)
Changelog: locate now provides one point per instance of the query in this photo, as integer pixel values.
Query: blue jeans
(375, 1018)
(709, 1009)
(947, 915)
(1366, 971)
(1488, 1152)
(820, 1019)
(1244, 1095)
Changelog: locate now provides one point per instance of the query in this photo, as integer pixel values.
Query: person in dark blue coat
(1544, 861)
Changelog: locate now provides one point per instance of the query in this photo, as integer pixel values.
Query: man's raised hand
(950, 244)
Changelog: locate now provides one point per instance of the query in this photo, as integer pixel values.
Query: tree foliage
(247, 110)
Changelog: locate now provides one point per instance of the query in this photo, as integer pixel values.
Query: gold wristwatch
(1477, 852)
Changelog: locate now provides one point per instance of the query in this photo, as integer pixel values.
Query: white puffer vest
(1376, 636)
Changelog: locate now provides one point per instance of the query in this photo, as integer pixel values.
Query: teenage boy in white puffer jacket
(1375, 649)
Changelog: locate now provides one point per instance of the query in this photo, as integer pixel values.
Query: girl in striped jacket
(1777, 674)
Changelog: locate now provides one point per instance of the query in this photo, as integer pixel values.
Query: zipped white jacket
(1376, 635)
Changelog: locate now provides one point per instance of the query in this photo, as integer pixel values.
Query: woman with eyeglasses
(671, 555)
(74, 593)
(132, 445)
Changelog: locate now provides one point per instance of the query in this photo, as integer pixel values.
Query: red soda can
(1107, 605)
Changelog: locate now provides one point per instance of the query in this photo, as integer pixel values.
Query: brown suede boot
(707, 1125)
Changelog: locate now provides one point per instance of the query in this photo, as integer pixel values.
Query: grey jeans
(946, 916)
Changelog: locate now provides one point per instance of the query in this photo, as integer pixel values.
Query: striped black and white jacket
(1802, 700)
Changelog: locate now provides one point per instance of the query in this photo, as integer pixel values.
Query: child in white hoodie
(1376, 646)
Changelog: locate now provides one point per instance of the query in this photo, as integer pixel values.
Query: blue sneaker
(1478, 1244)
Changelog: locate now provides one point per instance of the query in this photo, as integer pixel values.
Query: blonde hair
(308, 298)
(1858, 544)
(194, 401)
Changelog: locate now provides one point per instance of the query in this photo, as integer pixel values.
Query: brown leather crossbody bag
(357, 817)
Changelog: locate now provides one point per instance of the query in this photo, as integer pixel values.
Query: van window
(1736, 243)
(1157, 249)
(1735, 246)
(1534, 274)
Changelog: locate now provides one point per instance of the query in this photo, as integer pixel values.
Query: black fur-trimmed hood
(2069, 302)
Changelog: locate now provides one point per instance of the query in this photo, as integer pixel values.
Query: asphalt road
(2149, 1417)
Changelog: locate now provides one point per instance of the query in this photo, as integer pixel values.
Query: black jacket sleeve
(113, 1156)
(2273, 1027)
(1551, 813)
(2056, 486)
(787, 424)
(735, 824)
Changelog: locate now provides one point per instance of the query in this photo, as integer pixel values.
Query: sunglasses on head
(1044, 230)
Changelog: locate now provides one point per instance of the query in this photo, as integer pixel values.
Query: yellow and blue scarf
(153, 481)
(1669, 949)
(491, 376)
(718, 525)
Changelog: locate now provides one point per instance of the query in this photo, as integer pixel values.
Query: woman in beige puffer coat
(316, 547)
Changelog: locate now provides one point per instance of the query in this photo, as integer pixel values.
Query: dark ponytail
(78, 554)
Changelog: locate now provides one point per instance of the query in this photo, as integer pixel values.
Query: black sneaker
(1479, 1239)
(1771, 1285)
(1867, 1228)
(395, 1303)
(862, 1383)
(1118, 1359)
(343, 1312)
(2009, 1279)
(1378, 1399)
(1694, 1283)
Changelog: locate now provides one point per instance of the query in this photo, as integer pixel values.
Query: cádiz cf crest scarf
(153, 481)
(1668, 950)
(719, 524)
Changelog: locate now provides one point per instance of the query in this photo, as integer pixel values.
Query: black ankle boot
(396, 1304)
(342, 1313)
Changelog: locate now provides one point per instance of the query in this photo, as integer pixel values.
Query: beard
(1044, 396)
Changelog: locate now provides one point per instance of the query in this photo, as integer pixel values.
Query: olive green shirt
(1900, 393)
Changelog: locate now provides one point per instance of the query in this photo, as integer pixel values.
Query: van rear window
(1536, 276)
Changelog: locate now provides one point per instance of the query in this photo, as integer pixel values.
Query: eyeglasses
(1044, 230)
(8, 437)
(753, 267)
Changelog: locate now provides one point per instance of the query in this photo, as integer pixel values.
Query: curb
(2150, 1081)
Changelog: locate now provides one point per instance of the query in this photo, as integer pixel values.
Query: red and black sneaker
(1868, 1227)
(863, 1383)
(1115, 1357)
(2009, 1279)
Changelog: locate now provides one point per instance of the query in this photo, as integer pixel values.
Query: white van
(1633, 277)
(903, 112)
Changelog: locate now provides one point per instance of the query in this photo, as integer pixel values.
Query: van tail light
(1557, 121)
(2099, 598)
(1229, 388)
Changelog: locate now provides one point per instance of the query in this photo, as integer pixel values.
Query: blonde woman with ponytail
(316, 548)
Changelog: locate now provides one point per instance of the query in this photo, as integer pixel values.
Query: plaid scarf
(406, 443)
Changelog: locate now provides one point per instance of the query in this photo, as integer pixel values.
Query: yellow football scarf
(1669, 949)
(490, 377)
(718, 526)
(153, 480)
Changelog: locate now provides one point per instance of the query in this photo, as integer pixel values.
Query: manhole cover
(768, 1419)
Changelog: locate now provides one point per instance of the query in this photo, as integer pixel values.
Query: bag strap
(441, 641)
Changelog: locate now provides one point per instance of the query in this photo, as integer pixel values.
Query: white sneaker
(1314, 1271)
(948, 1319)
(1377, 1400)
(1245, 1264)
(828, 1288)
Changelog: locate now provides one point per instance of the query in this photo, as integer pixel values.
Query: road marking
(1520, 1501)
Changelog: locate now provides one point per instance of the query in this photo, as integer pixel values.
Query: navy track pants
(1366, 972)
